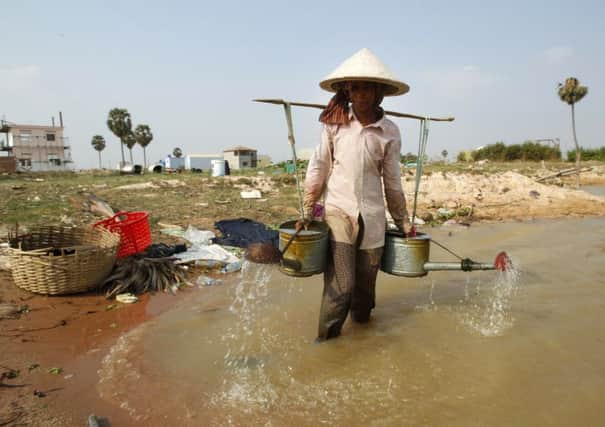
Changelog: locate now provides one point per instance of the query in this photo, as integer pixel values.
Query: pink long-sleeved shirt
(351, 166)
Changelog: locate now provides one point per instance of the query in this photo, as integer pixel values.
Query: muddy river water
(524, 348)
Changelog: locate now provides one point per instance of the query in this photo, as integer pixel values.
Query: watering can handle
(290, 240)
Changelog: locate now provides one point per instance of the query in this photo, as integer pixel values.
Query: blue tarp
(243, 231)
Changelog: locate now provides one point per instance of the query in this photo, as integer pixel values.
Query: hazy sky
(189, 69)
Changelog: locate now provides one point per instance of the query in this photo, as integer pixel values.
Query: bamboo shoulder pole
(321, 106)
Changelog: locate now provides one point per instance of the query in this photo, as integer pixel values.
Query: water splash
(248, 343)
(117, 366)
(262, 377)
(432, 305)
(488, 311)
(250, 293)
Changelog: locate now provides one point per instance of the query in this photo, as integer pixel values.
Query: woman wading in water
(358, 156)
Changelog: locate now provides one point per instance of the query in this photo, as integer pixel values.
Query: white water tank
(218, 168)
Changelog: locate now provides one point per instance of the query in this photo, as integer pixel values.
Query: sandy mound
(507, 195)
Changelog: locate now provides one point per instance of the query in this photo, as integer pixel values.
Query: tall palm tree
(130, 141)
(570, 93)
(120, 124)
(177, 152)
(143, 135)
(98, 143)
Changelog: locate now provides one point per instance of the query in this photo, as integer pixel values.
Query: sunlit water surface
(524, 348)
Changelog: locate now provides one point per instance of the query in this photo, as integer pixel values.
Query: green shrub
(513, 152)
(463, 156)
(587, 154)
(463, 211)
(528, 151)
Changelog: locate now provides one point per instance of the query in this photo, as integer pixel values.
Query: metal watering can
(304, 253)
(409, 257)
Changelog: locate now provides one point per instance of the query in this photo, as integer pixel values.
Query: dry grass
(180, 199)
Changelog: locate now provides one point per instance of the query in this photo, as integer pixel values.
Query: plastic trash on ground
(232, 267)
(173, 231)
(210, 252)
(126, 298)
(199, 237)
(252, 194)
(208, 281)
(204, 253)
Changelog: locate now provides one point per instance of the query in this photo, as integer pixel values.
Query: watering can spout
(465, 265)
(501, 263)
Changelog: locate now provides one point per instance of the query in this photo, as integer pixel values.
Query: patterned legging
(349, 284)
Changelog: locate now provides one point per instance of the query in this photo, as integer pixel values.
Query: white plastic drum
(218, 168)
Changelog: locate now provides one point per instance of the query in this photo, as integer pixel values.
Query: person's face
(363, 95)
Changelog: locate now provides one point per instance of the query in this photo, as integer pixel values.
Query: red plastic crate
(134, 231)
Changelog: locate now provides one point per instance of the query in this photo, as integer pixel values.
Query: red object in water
(503, 262)
(135, 233)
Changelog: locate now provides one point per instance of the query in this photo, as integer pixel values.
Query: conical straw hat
(364, 65)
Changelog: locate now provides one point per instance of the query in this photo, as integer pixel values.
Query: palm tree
(130, 141)
(177, 152)
(570, 93)
(98, 143)
(143, 135)
(119, 123)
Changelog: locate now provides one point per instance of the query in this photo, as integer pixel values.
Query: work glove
(312, 213)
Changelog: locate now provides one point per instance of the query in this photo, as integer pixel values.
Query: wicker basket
(56, 260)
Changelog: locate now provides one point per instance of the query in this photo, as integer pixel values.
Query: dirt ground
(52, 346)
(55, 346)
(503, 196)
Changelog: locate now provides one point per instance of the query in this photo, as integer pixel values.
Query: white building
(200, 162)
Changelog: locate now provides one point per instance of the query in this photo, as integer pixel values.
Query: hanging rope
(446, 249)
(288, 112)
(422, 142)
(423, 138)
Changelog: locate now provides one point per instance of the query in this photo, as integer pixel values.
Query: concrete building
(240, 157)
(35, 148)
